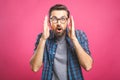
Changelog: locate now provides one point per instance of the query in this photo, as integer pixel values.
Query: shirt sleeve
(37, 41)
(82, 38)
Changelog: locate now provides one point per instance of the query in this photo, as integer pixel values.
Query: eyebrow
(56, 17)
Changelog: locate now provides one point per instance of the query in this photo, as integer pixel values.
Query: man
(61, 49)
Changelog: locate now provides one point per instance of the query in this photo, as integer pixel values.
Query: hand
(71, 28)
(46, 33)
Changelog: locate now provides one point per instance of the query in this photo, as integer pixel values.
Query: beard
(59, 31)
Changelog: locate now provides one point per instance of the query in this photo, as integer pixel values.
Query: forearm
(37, 58)
(85, 60)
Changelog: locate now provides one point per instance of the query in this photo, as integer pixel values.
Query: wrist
(74, 39)
(43, 39)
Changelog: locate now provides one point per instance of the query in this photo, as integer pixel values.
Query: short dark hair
(59, 7)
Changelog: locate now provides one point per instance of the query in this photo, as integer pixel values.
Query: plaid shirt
(73, 66)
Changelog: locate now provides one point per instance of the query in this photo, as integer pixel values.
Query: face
(59, 21)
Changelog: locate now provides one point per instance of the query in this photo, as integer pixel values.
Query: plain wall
(22, 20)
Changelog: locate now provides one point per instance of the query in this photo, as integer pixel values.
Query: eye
(54, 19)
(63, 19)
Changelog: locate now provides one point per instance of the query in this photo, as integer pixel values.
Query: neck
(60, 39)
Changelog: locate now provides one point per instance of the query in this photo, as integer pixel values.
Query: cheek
(65, 25)
(53, 26)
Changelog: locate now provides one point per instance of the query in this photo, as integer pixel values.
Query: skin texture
(36, 60)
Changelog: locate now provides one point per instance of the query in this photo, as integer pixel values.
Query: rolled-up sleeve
(82, 38)
(37, 41)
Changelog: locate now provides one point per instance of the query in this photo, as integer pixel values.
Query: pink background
(22, 20)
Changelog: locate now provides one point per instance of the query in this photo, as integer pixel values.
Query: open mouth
(59, 29)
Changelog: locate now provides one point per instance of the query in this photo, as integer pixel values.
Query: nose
(58, 22)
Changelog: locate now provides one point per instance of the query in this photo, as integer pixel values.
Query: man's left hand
(71, 27)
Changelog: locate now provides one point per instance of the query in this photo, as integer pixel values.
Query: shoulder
(39, 36)
(80, 33)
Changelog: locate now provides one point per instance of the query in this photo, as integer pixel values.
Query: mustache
(59, 27)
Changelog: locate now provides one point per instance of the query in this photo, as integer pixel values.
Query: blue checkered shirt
(74, 71)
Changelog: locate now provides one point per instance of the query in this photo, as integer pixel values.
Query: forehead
(59, 13)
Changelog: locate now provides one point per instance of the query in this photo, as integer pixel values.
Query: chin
(59, 34)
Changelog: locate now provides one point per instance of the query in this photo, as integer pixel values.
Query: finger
(46, 23)
(69, 23)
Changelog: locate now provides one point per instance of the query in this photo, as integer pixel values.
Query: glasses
(55, 20)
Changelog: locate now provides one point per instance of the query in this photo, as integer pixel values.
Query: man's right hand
(46, 32)
(37, 59)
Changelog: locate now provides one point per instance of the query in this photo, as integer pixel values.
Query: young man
(61, 49)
